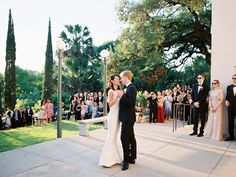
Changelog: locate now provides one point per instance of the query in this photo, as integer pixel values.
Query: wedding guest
(43, 112)
(90, 107)
(24, 116)
(2, 125)
(214, 127)
(231, 104)
(100, 110)
(72, 110)
(175, 94)
(49, 108)
(99, 98)
(95, 107)
(15, 118)
(160, 109)
(77, 111)
(199, 96)
(30, 116)
(139, 112)
(8, 119)
(168, 105)
(83, 109)
(152, 107)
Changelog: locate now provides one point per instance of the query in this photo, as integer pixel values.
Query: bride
(110, 154)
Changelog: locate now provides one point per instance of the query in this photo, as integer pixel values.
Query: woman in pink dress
(214, 128)
(49, 107)
(43, 112)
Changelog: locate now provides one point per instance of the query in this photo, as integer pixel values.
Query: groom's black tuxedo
(199, 94)
(127, 117)
(231, 98)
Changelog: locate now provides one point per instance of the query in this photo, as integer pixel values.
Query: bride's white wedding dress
(110, 154)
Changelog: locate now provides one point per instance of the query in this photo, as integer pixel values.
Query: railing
(179, 110)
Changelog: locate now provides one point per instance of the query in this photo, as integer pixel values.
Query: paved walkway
(161, 153)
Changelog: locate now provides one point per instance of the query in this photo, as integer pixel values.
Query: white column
(223, 64)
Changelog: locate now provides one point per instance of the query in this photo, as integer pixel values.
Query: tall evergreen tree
(48, 68)
(1, 92)
(10, 73)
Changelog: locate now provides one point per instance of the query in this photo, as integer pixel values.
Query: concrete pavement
(161, 153)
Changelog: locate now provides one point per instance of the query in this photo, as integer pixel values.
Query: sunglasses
(213, 83)
(233, 78)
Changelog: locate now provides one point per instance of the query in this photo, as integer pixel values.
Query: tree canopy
(160, 35)
(29, 88)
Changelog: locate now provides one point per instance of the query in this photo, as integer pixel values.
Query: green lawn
(25, 136)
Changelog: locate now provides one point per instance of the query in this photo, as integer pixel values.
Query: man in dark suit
(153, 107)
(231, 104)
(199, 95)
(127, 118)
(174, 95)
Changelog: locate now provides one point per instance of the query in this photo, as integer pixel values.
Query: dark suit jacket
(201, 95)
(175, 97)
(231, 98)
(127, 105)
(152, 102)
(99, 99)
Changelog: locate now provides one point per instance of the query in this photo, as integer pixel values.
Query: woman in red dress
(160, 109)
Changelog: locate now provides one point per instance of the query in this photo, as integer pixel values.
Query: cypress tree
(48, 68)
(1, 92)
(10, 73)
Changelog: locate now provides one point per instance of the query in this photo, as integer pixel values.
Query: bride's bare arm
(112, 98)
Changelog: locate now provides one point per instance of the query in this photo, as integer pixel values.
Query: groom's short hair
(128, 74)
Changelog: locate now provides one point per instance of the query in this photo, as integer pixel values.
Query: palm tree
(78, 54)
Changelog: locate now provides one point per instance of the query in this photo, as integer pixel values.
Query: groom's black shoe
(125, 165)
(229, 139)
(132, 161)
(200, 135)
(192, 134)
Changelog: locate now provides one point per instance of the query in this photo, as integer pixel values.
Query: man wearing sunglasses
(231, 104)
(199, 96)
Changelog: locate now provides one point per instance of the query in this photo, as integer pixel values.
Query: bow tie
(199, 84)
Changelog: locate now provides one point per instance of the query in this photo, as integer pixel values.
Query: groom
(127, 118)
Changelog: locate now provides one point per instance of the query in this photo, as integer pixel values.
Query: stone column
(223, 64)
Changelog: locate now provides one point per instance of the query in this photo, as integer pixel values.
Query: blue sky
(31, 25)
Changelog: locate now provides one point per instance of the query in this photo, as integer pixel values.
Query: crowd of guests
(24, 116)
(201, 102)
(161, 103)
(86, 105)
(19, 117)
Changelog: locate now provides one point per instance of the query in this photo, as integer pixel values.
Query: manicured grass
(25, 136)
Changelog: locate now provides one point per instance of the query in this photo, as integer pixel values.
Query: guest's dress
(214, 128)
(160, 110)
(43, 114)
(49, 109)
(168, 105)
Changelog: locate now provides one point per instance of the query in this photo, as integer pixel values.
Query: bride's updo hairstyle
(112, 77)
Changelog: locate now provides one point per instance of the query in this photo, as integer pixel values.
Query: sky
(31, 18)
